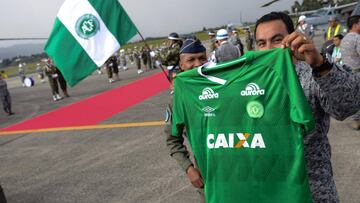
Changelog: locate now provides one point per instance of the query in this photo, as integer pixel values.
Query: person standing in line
(112, 68)
(22, 74)
(62, 82)
(5, 97)
(212, 38)
(40, 72)
(137, 59)
(123, 59)
(249, 40)
(171, 56)
(145, 58)
(52, 74)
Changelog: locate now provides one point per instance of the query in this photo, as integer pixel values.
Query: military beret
(192, 45)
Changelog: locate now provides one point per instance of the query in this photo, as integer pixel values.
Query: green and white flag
(85, 34)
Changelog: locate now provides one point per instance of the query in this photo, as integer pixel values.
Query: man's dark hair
(339, 36)
(352, 20)
(285, 18)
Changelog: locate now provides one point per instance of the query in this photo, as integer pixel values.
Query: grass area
(13, 70)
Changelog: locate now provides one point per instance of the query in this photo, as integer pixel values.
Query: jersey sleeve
(300, 108)
(178, 115)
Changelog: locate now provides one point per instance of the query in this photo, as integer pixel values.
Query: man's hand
(195, 177)
(303, 49)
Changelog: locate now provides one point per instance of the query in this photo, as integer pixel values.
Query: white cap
(222, 34)
(302, 18)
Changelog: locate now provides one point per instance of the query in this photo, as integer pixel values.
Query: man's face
(270, 34)
(333, 23)
(191, 60)
(337, 41)
(357, 27)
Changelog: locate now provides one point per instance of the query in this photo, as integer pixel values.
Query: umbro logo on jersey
(208, 111)
(208, 93)
(252, 89)
(235, 140)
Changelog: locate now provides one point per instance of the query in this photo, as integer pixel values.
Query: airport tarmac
(122, 164)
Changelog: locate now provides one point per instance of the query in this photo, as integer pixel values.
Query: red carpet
(95, 109)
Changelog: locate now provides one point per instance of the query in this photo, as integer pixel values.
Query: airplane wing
(269, 3)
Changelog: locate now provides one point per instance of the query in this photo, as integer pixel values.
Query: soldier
(212, 39)
(145, 56)
(5, 96)
(137, 59)
(235, 40)
(131, 57)
(123, 59)
(249, 40)
(52, 74)
(112, 68)
(62, 83)
(226, 51)
(40, 72)
(192, 54)
(171, 55)
(22, 74)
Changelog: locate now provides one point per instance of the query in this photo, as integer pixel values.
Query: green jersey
(245, 121)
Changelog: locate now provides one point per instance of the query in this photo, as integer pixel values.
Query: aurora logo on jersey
(208, 93)
(228, 141)
(252, 89)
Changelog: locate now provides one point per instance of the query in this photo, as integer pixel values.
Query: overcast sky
(34, 18)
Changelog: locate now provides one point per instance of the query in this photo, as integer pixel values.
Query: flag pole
(162, 68)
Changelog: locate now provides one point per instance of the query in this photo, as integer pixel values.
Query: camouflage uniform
(172, 58)
(249, 42)
(51, 73)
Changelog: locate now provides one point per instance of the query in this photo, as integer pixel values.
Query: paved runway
(128, 164)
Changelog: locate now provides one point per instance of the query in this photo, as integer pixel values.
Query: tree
(6, 62)
(296, 7)
(310, 5)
